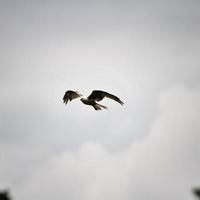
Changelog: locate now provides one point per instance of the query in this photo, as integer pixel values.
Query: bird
(92, 99)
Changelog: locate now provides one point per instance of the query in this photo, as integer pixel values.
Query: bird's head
(83, 100)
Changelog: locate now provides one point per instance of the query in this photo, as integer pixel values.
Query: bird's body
(91, 102)
(87, 101)
(96, 95)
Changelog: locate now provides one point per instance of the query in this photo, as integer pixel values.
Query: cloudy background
(145, 52)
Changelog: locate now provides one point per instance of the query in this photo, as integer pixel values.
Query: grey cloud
(164, 165)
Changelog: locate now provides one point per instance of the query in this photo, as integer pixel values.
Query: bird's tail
(98, 106)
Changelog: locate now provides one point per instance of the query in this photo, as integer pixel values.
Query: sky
(145, 52)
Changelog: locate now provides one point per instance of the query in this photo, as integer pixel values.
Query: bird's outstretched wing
(70, 95)
(98, 95)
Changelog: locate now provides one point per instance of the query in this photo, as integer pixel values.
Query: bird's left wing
(98, 95)
(70, 95)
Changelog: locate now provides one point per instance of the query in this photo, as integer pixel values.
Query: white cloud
(163, 166)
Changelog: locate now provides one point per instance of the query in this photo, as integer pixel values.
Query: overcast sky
(145, 52)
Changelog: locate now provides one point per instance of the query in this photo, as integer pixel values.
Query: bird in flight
(92, 99)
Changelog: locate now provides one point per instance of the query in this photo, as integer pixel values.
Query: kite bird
(96, 95)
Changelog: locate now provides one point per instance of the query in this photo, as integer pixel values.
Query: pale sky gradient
(145, 52)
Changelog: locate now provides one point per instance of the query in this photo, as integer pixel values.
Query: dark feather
(98, 95)
(196, 191)
(70, 95)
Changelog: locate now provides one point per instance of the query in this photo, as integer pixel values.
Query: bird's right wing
(70, 95)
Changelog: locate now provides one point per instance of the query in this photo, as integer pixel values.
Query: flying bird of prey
(92, 99)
